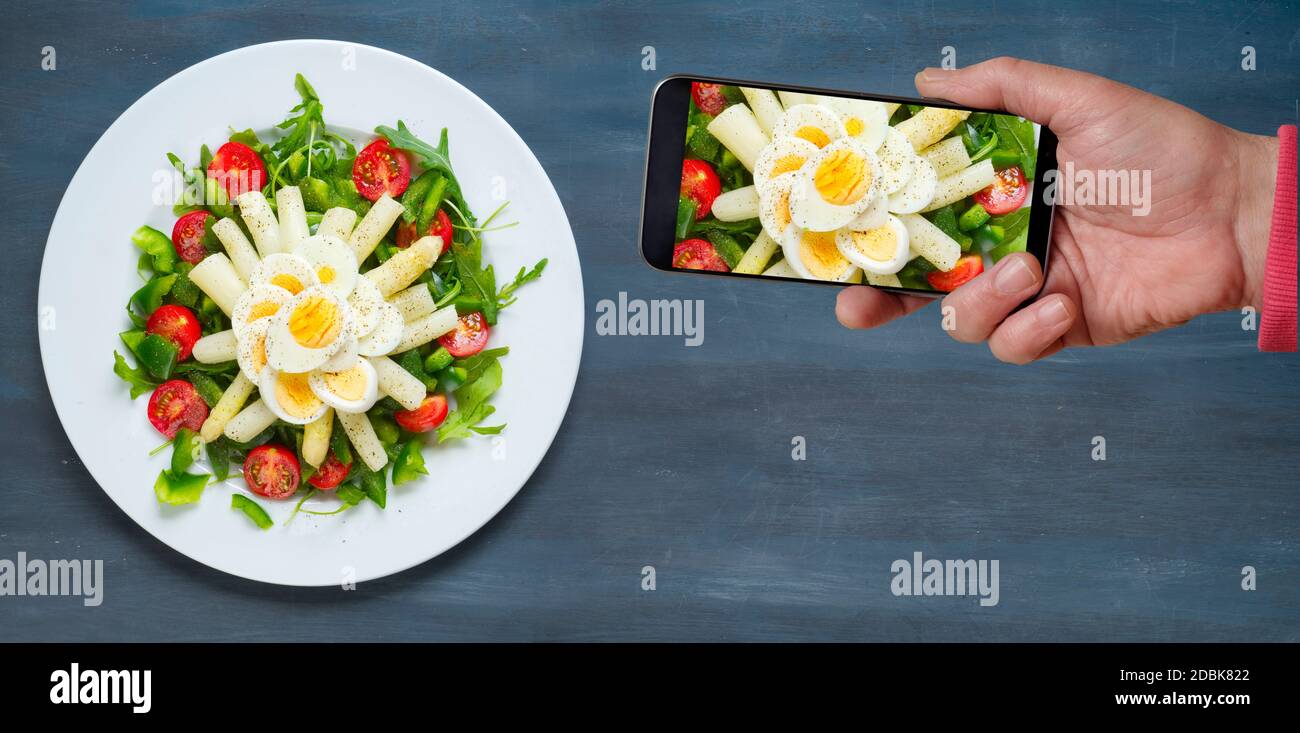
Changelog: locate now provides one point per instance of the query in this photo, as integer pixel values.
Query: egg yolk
(262, 310)
(259, 353)
(854, 126)
(315, 322)
(326, 274)
(288, 282)
(787, 163)
(877, 244)
(294, 395)
(821, 256)
(782, 210)
(347, 385)
(842, 178)
(814, 135)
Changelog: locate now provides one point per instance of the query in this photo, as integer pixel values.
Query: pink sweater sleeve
(1277, 322)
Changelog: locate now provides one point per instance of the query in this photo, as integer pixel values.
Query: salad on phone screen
(318, 318)
(838, 189)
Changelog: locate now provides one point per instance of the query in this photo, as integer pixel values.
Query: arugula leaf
(184, 488)
(252, 510)
(1017, 135)
(350, 495)
(482, 379)
(137, 377)
(507, 294)
(460, 423)
(477, 282)
(219, 455)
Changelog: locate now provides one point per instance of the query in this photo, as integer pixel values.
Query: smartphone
(916, 196)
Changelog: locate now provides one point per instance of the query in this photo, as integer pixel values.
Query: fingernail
(1053, 313)
(1014, 277)
(931, 73)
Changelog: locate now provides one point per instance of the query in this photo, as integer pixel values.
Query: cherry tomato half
(330, 474)
(469, 337)
(272, 471)
(698, 254)
(708, 97)
(424, 418)
(381, 169)
(1007, 192)
(177, 324)
(439, 227)
(700, 184)
(175, 404)
(966, 269)
(187, 236)
(238, 168)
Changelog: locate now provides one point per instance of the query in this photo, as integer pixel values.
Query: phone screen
(840, 188)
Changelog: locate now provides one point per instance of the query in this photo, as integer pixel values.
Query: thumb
(1048, 95)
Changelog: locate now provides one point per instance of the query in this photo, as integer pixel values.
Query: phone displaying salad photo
(796, 183)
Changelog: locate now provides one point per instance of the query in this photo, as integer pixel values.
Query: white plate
(89, 273)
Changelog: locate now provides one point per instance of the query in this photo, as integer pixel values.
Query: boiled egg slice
(873, 216)
(880, 251)
(815, 256)
(349, 390)
(333, 261)
(258, 303)
(284, 270)
(345, 357)
(895, 155)
(834, 186)
(307, 330)
(774, 205)
(367, 304)
(919, 190)
(290, 397)
(782, 155)
(386, 335)
(812, 122)
(250, 353)
(865, 122)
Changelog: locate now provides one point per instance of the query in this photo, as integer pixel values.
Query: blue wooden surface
(678, 457)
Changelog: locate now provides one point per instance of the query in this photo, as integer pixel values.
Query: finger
(866, 307)
(1030, 333)
(981, 304)
(1034, 91)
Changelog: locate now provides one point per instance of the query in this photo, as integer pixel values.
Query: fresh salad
(319, 315)
(831, 188)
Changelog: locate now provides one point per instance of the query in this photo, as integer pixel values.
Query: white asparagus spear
(402, 268)
(736, 205)
(250, 421)
(423, 330)
(242, 254)
(398, 383)
(765, 106)
(316, 438)
(216, 348)
(738, 130)
(293, 217)
(374, 226)
(414, 302)
(364, 440)
(338, 221)
(216, 277)
(261, 223)
(226, 408)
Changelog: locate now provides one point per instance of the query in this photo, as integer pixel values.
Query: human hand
(1112, 275)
